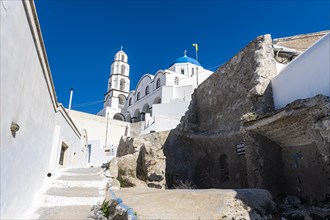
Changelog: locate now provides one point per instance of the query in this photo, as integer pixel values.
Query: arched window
(122, 70)
(158, 83)
(176, 81)
(122, 85)
(182, 71)
(121, 100)
(147, 90)
(138, 96)
(192, 71)
(123, 58)
(130, 102)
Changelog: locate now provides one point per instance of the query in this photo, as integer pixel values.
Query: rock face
(203, 148)
(301, 132)
(232, 137)
(141, 160)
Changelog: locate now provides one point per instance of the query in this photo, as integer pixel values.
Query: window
(122, 85)
(158, 83)
(147, 90)
(123, 58)
(176, 81)
(182, 71)
(192, 71)
(63, 154)
(138, 96)
(121, 100)
(130, 102)
(122, 70)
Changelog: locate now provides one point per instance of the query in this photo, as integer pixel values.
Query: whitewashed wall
(305, 77)
(96, 133)
(28, 99)
(174, 109)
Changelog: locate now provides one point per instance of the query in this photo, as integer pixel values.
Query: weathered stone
(291, 200)
(300, 42)
(203, 147)
(301, 131)
(200, 204)
(234, 138)
(147, 163)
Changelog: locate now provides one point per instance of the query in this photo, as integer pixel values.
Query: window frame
(158, 83)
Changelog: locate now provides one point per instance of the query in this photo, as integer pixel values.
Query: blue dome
(186, 59)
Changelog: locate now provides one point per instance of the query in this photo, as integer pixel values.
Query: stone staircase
(72, 194)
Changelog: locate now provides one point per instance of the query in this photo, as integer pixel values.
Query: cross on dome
(121, 48)
(185, 53)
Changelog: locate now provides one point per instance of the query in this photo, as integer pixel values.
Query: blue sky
(81, 37)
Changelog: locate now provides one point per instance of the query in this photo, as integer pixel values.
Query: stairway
(72, 194)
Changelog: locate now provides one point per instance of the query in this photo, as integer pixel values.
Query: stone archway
(157, 100)
(128, 117)
(119, 117)
(137, 116)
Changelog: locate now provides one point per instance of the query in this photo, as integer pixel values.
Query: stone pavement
(72, 194)
(177, 204)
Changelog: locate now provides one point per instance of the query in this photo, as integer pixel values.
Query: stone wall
(141, 161)
(203, 147)
(300, 42)
(302, 131)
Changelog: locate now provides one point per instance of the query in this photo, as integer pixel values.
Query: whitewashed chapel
(158, 101)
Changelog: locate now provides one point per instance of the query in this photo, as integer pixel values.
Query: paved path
(200, 204)
(72, 194)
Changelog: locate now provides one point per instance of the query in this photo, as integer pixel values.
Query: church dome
(186, 59)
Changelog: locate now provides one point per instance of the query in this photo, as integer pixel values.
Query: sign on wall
(240, 149)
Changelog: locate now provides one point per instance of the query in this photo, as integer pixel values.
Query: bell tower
(119, 81)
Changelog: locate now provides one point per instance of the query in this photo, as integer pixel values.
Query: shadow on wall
(253, 204)
(207, 162)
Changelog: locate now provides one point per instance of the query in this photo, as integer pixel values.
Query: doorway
(63, 154)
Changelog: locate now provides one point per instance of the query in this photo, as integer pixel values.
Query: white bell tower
(118, 83)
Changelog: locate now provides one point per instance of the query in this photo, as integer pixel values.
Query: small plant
(105, 208)
(185, 185)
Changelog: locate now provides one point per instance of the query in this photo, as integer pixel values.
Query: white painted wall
(174, 109)
(28, 99)
(96, 133)
(306, 76)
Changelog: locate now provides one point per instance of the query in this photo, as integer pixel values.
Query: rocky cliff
(203, 148)
(141, 161)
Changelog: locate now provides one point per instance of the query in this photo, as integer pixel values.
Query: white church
(158, 101)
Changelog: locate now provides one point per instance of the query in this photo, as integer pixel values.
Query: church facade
(159, 100)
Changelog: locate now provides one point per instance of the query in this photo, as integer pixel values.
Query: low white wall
(95, 127)
(306, 76)
(136, 128)
(176, 108)
(28, 99)
(166, 116)
(162, 124)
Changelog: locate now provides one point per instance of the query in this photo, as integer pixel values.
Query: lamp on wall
(14, 127)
